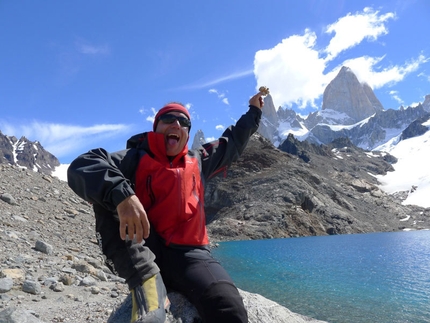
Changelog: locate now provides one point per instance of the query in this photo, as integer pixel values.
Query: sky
(77, 75)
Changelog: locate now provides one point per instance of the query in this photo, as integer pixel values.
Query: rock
(31, 287)
(44, 247)
(83, 267)
(57, 287)
(260, 310)
(6, 284)
(8, 199)
(17, 315)
(16, 274)
(67, 279)
(416, 128)
(88, 281)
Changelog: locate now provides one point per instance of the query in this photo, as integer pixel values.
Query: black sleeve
(219, 154)
(101, 178)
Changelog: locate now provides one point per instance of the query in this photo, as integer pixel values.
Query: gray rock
(31, 287)
(50, 281)
(83, 267)
(6, 284)
(8, 199)
(88, 281)
(17, 315)
(44, 247)
(5, 298)
(57, 287)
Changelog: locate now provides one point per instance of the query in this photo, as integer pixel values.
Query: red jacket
(172, 194)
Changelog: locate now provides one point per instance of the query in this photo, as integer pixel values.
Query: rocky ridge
(51, 268)
(25, 153)
(373, 132)
(302, 189)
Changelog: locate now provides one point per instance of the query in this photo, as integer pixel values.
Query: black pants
(192, 272)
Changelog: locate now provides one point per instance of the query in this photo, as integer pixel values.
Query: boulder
(260, 310)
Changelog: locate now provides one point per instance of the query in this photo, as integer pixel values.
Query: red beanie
(170, 108)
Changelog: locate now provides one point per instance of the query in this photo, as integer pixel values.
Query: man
(150, 220)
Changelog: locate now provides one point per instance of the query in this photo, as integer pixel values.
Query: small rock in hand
(264, 90)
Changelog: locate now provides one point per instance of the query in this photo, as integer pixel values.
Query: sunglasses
(170, 118)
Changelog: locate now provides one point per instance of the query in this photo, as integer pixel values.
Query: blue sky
(77, 75)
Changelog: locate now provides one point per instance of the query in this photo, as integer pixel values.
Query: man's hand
(132, 219)
(257, 100)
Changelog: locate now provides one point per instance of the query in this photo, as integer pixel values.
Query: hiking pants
(192, 272)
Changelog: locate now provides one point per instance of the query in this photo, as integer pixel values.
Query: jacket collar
(153, 143)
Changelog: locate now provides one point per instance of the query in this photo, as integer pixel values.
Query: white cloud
(204, 84)
(84, 47)
(213, 91)
(395, 96)
(220, 127)
(351, 30)
(296, 70)
(151, 117)
(364, 69)
(427, 77)
(220, 95)
(61, 139)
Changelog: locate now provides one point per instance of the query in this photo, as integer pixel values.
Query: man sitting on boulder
(150, 219)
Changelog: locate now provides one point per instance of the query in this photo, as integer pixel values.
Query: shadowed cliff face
(311, 190)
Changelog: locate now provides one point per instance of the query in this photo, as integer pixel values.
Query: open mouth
(172, 139)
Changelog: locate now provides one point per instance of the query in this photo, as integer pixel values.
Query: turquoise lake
(375, 277)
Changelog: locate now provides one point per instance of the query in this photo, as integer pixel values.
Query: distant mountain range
(350, 110)
(25, 153)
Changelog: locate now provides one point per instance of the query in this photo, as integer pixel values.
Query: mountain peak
(345, 94)
(426, 103)
(26, 154)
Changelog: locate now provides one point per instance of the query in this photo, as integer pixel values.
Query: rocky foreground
(51, 268)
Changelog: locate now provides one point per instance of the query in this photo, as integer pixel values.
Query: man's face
(175, 135)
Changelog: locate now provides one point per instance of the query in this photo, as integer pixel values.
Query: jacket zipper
(195, 193)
